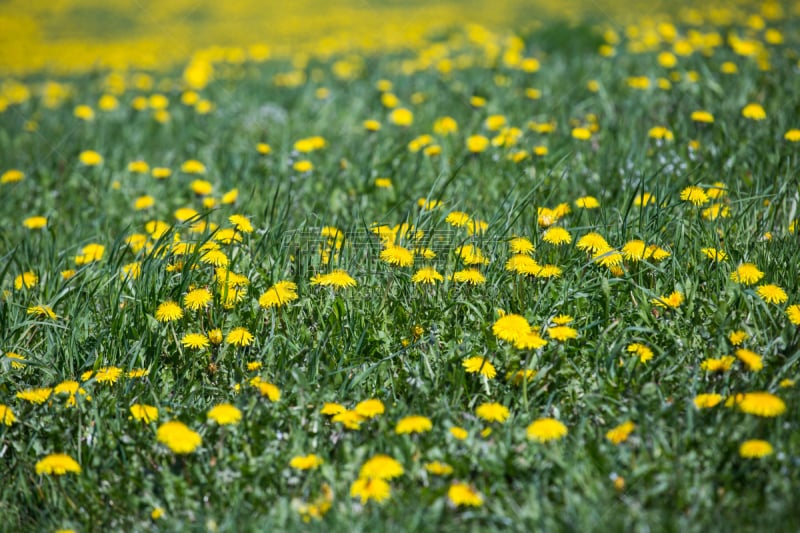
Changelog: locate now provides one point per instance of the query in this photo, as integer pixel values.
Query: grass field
(534, 275)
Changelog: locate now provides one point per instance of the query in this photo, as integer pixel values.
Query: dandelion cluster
(384, 263)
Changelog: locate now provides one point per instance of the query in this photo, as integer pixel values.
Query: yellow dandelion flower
(643, 351)
(198, 299)
(161, 173)
(752, 360)
(462, 495)
(521, 376)
(715, 211)
(108, 375)
(371, 125)
(215, 336)
(90, 253)
(644, 199)
(90, 158)
(458, 433)
(67, 387)
(168, 311)
(746, 274)
(332, 408)
(239, 337)
(562, 333)
(620, 433)
(397, 256)
(306, 462)
(143, 202)
(702, 116)
(660, 133)
(35, 223)
(706, 401)
(523, 264)
(43, 311)
(471, 255)
(546, 429)
(695, 195)
(254, 365)
(511, 327)
(492, 412)
(272, 392)
(635, 250)
(521, 245)
(609, 258)
(477, 101)
(755, 449)
(401, 117)
(722, 364)
(7, 416)
(587, 202)
(193, 166)
(530, 341)
(178, 437)
(581, 133)
(138, 167)
(541, 151)
(35, 396)
(57, 464)
(241, 223)
(717, 191)
(278, 295)
(427, 275)
(195, 341)
(557, 236)
(137, 373)
(471, 276)
(673, 301)
(445, 126)
(793, 313)
(762, 404)
(12, 176)
(772, 294)
(310, 144)
(563, 320)
(381, 467)
(478, 364)
(592, 243)
(338, 279)
(714, 254)
(349, 419)
(370, 408)
(144, 413)
(413, 424)
(754, 111)
(225, 414)
(477, 227)
(14, 357)
(438, 468)
(26, 280)
(370, 489)
(477, 144)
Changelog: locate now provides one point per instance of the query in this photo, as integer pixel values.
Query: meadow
(538, 273)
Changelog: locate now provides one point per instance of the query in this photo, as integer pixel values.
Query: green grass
(681, 465)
